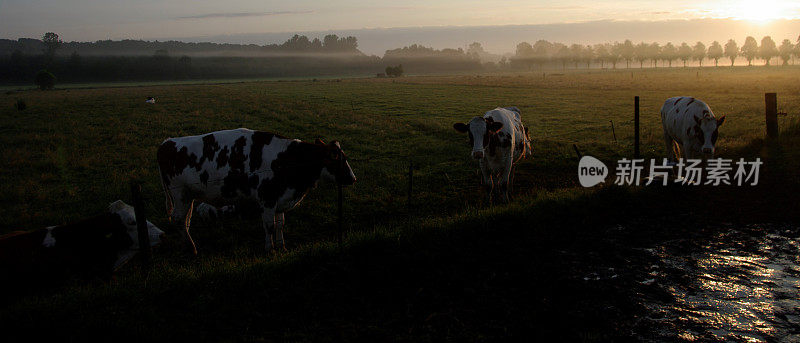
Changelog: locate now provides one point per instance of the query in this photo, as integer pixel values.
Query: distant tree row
(296, 44)
(611, 54)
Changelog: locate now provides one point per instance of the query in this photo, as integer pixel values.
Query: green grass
(73, 151)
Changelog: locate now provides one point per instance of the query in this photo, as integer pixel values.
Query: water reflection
(743, 287)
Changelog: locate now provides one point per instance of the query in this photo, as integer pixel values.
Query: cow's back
(512, 129)
(678, 114)
(219, 165)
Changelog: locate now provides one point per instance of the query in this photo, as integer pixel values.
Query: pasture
(447, 266)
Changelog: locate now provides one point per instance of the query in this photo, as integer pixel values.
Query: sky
(90, 20)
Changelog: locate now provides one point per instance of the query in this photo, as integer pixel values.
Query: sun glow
(759, 11)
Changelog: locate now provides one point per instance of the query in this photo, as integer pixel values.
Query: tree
(541, 51)
(699, 52)
(654, 53)
(44, 80)
(640, 53)
(576, 54)
(669, 53)
(51, 44)
(731, 50)
(615, 54)
(394, 71)
(601, 54)
(627, 52)
(750, 49)
(562, 54)
(475, 51)
(588, 56)
(524, 54)
(715, 52)
(685, 53)
(768, 50)
(785, 51)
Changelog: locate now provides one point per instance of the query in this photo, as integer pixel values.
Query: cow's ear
(319, 141)
(720, 121)
(461, 127)
(494, 126)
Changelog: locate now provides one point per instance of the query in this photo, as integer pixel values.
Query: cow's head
(128, 218)
(336, 168)
(480, 131)
(706, 130)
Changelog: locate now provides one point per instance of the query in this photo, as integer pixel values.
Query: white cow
(690, 128)
(498, 140)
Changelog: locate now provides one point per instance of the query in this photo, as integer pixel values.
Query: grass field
(403, 273)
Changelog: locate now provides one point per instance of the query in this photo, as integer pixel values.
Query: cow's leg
(188, 223)
(488, 183)
(670, 147)
(279, 222)
(182, 213)
(505, 178)
(268, 219)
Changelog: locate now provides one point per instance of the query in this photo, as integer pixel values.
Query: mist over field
(501, 39)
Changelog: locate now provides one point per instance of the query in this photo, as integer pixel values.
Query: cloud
(242, 14)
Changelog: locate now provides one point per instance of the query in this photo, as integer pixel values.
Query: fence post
(577, 151)
(636, 127)
(771, 102)
(141, 224)
(614, 132)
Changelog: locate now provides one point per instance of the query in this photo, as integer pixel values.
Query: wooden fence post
(141, 225)
(771, 102)
(614, 132)
(577, 151)
(636, 127)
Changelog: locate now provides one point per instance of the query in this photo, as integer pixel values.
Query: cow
(232, 166)
(690, 128)
(88, 248)
(499, 140)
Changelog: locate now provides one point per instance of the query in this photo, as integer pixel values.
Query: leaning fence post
(771, 102)
(141, 224)
(636, 127)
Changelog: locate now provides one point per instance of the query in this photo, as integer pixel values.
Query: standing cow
(226, 167)
(690, 128)
(498, 141)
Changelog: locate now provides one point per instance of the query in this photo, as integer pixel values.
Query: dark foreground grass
(455, 270)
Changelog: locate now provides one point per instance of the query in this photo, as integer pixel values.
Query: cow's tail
(170, 202)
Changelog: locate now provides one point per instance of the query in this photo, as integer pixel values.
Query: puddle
(742, 287)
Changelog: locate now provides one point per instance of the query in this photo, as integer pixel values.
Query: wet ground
(737, 283)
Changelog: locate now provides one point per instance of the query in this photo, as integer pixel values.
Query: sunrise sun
(759, 11)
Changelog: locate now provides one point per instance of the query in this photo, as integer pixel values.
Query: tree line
(334, 55)
(612, 54)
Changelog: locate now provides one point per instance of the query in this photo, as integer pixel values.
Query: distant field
(72, 151)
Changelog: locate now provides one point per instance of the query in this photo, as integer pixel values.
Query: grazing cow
(150, 100)
(498, 140)
(92, 247)
(230, 166)
(690, 128)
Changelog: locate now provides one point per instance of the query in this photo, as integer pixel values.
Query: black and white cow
(690, 128)
(498, 140)
(92, 247)
(227, 167)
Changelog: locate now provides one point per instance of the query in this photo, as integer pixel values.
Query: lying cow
(226, 167)
(498, 140)
(690, 128)
(92, 247)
